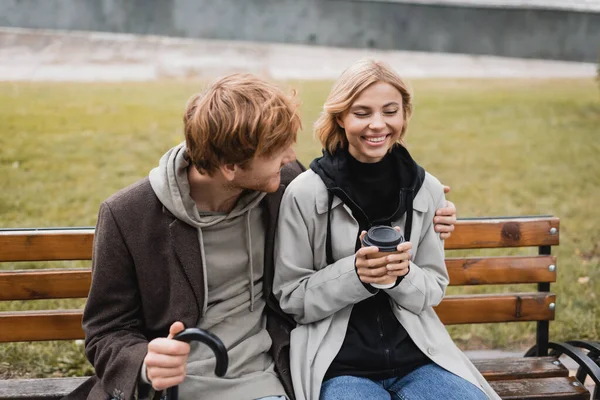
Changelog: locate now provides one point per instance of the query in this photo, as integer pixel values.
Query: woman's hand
(399, 263)
(375, 267)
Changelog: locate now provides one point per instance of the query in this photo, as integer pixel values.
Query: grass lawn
(506, 147)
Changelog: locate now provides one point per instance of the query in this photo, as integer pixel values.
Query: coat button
(431, 351)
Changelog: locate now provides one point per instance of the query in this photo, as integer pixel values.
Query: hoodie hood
(170, 184)
(335, 174)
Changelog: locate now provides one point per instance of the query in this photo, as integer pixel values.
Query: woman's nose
(377, 121)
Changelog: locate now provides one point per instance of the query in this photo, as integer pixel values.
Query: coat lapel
(271, 203)
(185, 242)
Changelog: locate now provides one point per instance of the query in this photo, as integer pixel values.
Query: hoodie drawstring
(250, 264)
(203, 259)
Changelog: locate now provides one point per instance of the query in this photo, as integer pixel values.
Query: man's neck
(212, 193)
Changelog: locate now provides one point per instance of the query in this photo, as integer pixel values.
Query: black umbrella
(212, 341)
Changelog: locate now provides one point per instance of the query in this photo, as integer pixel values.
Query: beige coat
(320, 297)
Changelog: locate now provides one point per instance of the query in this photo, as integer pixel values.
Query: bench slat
(543, 389)
(38, 389)
(66, 324)
(45, 284)
(76, 243)
(500, 270)
(497, 369)
(24, 326)
(510, 232)
(46, 244)
(505, 307)
(66, 283)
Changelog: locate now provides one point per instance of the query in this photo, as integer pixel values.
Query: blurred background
(507, 113)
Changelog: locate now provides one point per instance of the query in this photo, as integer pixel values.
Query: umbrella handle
(212, 341)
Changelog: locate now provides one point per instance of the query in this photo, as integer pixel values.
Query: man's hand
(445, 218)
(166, 359)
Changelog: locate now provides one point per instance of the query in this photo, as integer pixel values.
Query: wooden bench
(537, 377)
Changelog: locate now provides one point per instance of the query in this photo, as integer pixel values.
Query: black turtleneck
(374, 187)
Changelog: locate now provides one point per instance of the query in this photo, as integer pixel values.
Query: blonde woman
(353, 340)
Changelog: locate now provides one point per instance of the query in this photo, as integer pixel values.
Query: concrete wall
(529, 33)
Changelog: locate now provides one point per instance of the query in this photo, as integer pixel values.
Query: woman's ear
(339, 120)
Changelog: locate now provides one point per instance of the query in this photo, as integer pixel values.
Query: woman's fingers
(399, 269)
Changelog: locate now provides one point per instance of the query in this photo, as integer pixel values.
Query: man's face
(263, 173)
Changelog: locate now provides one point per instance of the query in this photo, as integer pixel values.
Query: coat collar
(420, 202)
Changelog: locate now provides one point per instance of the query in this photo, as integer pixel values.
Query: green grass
(506, 147)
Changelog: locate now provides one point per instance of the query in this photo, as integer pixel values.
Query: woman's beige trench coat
(320, 296)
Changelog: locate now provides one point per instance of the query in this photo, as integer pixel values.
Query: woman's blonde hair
(238, 118)
(346, 89)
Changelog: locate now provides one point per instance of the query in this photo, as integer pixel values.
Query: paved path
(38, 55)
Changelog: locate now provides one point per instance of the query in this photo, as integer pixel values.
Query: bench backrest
(56, 244)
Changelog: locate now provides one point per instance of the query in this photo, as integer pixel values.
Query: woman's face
(373, 122)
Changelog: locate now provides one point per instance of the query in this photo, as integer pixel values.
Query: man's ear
(228, 171)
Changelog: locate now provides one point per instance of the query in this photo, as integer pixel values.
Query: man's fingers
(164, 360)
(449, 210)
(175, 328)
(169, 347)
(154, 373)
(444, 219)
(160, 383)
(442, 228)
(446, 189)
(445, 236)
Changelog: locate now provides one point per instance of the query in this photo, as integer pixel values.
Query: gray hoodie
(232, 248)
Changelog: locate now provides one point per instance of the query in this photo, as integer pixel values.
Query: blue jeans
(425, 383)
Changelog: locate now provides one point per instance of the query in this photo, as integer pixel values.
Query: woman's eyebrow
(357, 106)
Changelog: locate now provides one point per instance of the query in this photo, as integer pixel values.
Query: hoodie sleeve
(425, 284)
(307, 294)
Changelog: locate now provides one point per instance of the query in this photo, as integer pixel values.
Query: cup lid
(385, 238)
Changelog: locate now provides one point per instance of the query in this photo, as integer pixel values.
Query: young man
(192, 245)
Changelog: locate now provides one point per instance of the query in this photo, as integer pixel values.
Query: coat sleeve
(112, 319)
(425, 284)
(307, 294)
